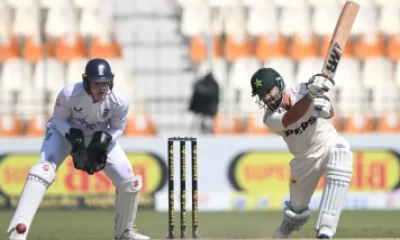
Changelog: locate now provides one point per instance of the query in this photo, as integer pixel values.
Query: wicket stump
(171, 196)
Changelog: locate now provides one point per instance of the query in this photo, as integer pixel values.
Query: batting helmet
(97, 70)
(266, 78)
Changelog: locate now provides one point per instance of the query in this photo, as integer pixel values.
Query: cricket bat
(339, 38)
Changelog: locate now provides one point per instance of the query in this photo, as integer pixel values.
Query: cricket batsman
(301, 114)
(87, 121)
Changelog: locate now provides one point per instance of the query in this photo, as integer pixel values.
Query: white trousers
(306, 173)
(56, 148)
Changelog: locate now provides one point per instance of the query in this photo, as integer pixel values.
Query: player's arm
(296, 111)
(62, 113)
(318, 84)
(274, 121)
(97, 151)
(118, 121)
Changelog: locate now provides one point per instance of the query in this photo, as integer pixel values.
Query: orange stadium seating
(52, 40)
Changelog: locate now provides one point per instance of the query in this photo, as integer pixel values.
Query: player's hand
(78, 151)
(323, 107)
(75, 137)
(97, 150)
(319, 84)
(100, 141)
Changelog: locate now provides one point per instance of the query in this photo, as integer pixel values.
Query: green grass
(99, 225)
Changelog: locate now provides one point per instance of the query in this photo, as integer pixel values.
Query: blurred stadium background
(159, 51)
(159, 48)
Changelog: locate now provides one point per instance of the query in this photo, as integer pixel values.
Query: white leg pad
(40, 177)
(338, 176)
(126, 203)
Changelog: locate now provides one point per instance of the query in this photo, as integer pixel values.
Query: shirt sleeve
(118, 121)
(274, 121)
(62, 113)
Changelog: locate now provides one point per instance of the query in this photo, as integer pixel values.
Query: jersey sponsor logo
(88, 125)
(302, 128)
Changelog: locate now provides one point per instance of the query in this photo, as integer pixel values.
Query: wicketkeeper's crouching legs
(338, 176)
(118, 168)
(126, 204)
(128, 185)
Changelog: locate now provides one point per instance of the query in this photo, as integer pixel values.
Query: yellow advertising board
(74, 188)
(262, 178)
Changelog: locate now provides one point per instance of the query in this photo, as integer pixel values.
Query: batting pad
(40, 177)
(338, 176)
(126, 203)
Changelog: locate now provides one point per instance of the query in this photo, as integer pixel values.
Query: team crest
(106, 112)
(101, 70)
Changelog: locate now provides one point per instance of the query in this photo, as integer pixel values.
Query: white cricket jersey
(309, 136)
(74, 108)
